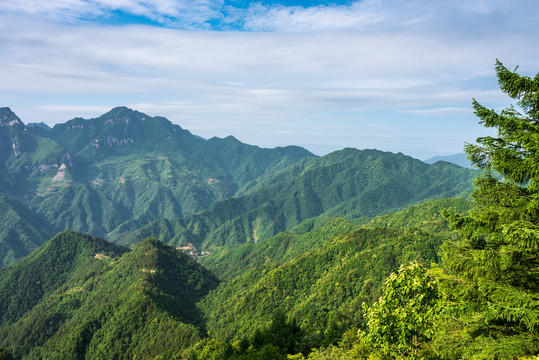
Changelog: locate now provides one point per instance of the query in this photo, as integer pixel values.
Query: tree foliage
(118, 171)
(349, 183)
(494, 292)
(401, 322)
(81, 297)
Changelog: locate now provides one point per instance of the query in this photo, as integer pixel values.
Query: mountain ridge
(459, 159)
(99, 296)
(350, 183)
(121, 168)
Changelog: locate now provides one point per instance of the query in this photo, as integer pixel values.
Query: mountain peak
(9, 118)
(41, 125)
(151, 243)
(123, 113)
(459, 159)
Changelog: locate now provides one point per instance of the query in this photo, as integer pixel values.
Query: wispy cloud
(366, 15)
(182, 13)
(445, 111)
(340, 67)
(260, 17)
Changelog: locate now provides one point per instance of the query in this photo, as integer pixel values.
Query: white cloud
(446, 111)
(184, 13)
(322, 88)
(363, 14)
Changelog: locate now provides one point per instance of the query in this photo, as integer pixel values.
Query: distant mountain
(26, 157)
(459, 159)
(123, 168)
(126, 175)
(81, 297)
(350, 183)
(22, 230)
(39, 125)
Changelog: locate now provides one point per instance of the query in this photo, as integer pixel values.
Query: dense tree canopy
(494, 294)
(401, 321)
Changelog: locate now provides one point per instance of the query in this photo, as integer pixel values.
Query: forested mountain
(349, 183)
(320, 272)
(353, 255)
(81, 297)
(122, 168)
(22, 230)
(111, 175)
(459, 159)
(230, 261)
(79, 294)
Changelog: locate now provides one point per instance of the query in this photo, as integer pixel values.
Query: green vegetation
(436, 279)
(119, 171)
(25, 284)
(322, 289)
(230, 261)
(318, 276)
(233, 260)
(94, 302)
(349, 183)
(21, 230)
(494, 270)
(5, 355)
(401, 322)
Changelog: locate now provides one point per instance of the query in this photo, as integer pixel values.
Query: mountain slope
(244, 162)
(122, 169)
(350, 183)
(21, 231)
(103, 305)
(25, 156)
(231, 261)
(320, 273)
(320, 287)
(459, 159)
(26, 283)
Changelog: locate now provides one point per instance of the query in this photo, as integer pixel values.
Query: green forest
(359, 254)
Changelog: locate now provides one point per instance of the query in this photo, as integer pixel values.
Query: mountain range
(126, 175)
(126, 236)
(121, 169)
(78, 296)
(350, 183)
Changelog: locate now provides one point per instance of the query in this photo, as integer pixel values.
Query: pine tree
(493, 293)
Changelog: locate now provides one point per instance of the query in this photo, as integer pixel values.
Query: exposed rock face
(16, 147)
(111, 141)
(8, 117)
(13, 130)
(60, 175)
(68, 159)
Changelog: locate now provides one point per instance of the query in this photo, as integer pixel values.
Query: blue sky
(396, 75)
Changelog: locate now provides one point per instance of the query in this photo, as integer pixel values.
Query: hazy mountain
(41, 125)
(459, 159)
